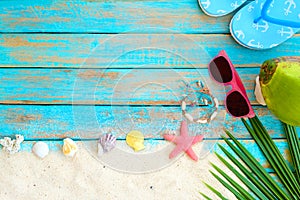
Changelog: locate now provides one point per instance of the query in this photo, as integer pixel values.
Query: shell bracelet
(204, 97)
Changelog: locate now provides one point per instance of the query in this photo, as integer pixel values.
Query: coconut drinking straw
(254, 176)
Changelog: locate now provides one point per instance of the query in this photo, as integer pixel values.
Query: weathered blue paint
(107, 17)
(130, 50)
(170, 58)
(111, 86)
(89, 122)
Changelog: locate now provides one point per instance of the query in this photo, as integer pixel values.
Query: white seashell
(202, 121)
(107, 142)
(40, 149)
(189, 117)
(216, 102)
(213, 115)
(259, 97)
(183, 105)
(69, 147)
(171, 132)
(12, 146)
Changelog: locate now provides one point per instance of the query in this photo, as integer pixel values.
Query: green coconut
(280, 85)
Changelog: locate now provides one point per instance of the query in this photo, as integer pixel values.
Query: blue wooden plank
(88, 122)
(130, 50)
(111, 86)
(107, 17)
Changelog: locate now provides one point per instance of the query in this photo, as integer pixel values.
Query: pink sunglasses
(222, 70)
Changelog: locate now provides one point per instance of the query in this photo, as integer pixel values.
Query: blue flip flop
(217, 8)
(264, 24)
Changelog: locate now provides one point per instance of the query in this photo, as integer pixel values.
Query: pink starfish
(183, 142)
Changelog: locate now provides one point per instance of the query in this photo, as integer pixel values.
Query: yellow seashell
(135, 139)
(69, 147)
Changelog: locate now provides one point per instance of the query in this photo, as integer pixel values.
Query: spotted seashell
(69, 147)
(108, 142)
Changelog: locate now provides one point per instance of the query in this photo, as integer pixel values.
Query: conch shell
(69, 147)
(135, 139)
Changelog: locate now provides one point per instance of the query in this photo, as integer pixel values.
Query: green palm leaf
(252, 174)
(274, 157)
(294, 144)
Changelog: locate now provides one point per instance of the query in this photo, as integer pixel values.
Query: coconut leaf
(215, 191)
(294, 146)
(228, 186)
(206, 197)
(255, 186)
(256, 168)
(253, 174)
(274, 157)
(241, 190)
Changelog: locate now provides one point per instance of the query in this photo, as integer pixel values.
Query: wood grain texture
(107, 87)
(108, 16)
(48, 59)
(130, 50)
(88, 122)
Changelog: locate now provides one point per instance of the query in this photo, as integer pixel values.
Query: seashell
(40, 149)
(202, 121)
(213, 115)
(135, 139)
(107, 142)
(69, 147)
(216, 102)
(183, 105)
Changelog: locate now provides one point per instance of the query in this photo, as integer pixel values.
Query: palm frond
(215, 191)
(266, 181)
(253, 183)
(274, 157)
(294, 146)
(242, 192)
(205, 196)
(252, 174)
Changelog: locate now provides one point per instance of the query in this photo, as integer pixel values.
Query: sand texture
(24, 176)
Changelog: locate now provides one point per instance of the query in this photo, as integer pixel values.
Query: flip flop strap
(265, 17)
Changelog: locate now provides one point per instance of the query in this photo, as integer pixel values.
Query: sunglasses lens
(237, 104)
(220, 70)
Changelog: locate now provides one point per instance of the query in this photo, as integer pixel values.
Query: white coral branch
(12, 146)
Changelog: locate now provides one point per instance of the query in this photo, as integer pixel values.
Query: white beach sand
(24, 176)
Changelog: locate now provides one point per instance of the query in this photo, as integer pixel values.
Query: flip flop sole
(217, 8)
(260, 35)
